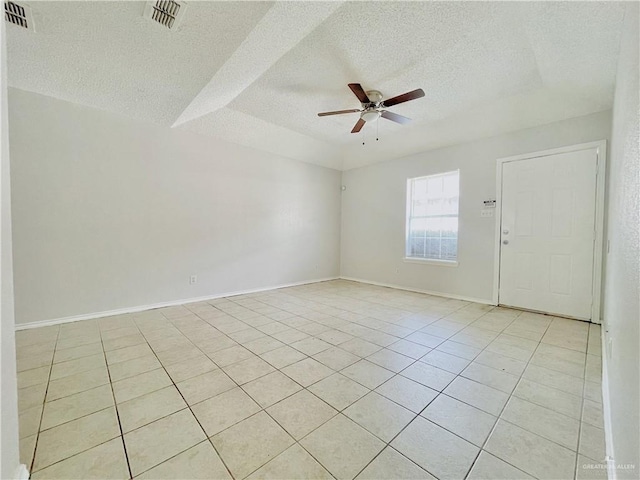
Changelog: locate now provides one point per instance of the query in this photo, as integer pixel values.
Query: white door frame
(601, 149)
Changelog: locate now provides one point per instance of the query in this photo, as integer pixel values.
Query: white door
(547, 233)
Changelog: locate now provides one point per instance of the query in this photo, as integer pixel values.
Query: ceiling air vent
(19, 15)
(167, 13)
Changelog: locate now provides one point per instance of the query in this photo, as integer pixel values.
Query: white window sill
(431, 261)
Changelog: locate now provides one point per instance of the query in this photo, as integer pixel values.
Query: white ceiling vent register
(19, 15)
(167, 13)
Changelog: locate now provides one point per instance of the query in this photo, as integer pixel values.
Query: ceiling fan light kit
(374, 107)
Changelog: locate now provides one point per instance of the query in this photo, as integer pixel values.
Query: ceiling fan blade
(358, 126)
(338, 112)
(405, 97)
(357, 89)
(394, 117)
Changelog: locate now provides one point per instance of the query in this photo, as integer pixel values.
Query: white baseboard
(141, 308)
(606, 409)
(21, 472)
(428, 292)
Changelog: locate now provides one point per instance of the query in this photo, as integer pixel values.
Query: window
(432, 217)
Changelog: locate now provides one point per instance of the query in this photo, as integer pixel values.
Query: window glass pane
(432, 220)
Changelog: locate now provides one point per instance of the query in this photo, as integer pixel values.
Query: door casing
(601, 150)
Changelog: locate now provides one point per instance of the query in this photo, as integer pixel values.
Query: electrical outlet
(193, 279)
(486, 212)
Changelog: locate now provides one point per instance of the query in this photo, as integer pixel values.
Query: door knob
(505, 242)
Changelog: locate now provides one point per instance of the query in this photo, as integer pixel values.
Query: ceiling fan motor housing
(375, 96)
(371, 110)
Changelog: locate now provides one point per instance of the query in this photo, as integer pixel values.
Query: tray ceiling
(256, 73)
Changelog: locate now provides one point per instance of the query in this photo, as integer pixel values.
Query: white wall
(8, 385)
(622, 276)
(109, 213)
(374, 208)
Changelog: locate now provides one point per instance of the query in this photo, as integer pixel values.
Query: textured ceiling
(257, 73)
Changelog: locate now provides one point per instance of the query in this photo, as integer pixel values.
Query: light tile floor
(329, 380)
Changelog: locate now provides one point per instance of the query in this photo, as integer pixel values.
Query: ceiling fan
(374, 107)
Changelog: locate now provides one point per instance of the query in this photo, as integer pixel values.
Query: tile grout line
(115, 404)
(499, 416)
(44, 401)
(188, 406)
(378, 329)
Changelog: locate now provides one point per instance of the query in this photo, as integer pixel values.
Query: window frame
(424, 260)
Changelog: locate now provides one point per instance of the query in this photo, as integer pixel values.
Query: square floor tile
(64, 354)
(379, 415)
(445, 361)
(148, 408)
(592, 413)
(505, 382)
(311, 345)
(409, 349)
(231, 355)
(368, 374)
(121, 342)
(30, 397)
(131, 368)
(198, 463)
(334, 337)
(551, 425)
(592, 442)
(127, 353)
(464, 420)
(190, 368)
(75, 436)
(478, 395)
(271, 388)
(263, 345)
(294, 462)
(301, 413)
(76, 406)
(224, 410)
(283, 356)
(71, 367)
(360, 347)
(428, 375)
(247, 370)
(390, 464)
(104, 461)
(438, 451)
(80, 382)
(152, 444)
(207, 385)
(36, 376)
(488, 467)
(557, 380)
(27, 447)
(338, 391)
(531, 453)
(390, 360)
(140, 384)
(29, 421)
(336, 358)
(251, 443)
(406, 392)
(307, 371)
(548, 397)
(342, 447)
